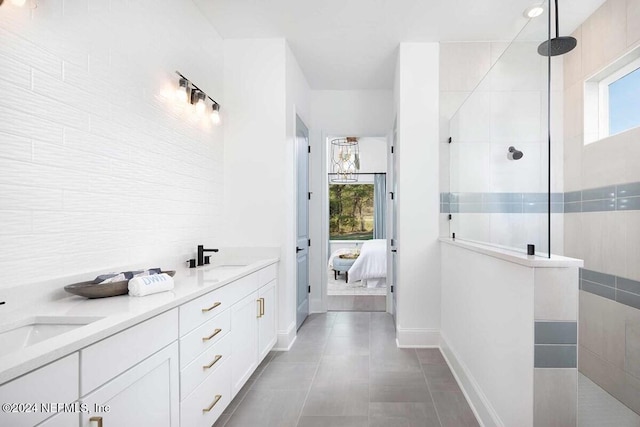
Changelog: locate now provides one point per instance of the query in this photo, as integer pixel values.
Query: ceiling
(352, 44)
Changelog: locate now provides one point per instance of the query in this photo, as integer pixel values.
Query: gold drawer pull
(215, 304)
(262, 307)
(216, 332)
(218, 397)
(259, 301)
(218, 357)
(95, 421)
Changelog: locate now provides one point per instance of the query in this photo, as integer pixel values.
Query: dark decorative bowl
(92, 290)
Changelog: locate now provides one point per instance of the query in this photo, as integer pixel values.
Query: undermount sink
(33, 330)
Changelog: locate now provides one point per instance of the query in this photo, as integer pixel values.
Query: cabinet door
(244, 350)
(69, 419)
(145, 395)
(267, 321)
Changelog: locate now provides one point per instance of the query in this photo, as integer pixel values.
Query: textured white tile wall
(99, 166)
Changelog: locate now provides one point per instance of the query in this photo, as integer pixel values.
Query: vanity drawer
(267, 274)
(203, 337)
(208, 306)
(54, 383)
(197, 410)
(204, 365)
(110, 357)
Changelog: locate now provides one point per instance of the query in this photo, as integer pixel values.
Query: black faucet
(201, 251)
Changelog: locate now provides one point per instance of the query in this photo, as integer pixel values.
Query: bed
(371, 265)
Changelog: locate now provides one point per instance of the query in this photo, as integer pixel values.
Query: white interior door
(302, 236)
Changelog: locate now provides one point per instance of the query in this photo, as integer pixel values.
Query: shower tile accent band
(555, 344)
(621, 197)
(616, 288)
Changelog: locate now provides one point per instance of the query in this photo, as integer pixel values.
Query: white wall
(265, 89)
(97, 169)
(418, 262)
(364, 113)
(487, 333)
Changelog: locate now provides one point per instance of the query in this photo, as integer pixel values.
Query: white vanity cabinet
(56, 382)
(181, 367)
(131, 378)
(145, 395)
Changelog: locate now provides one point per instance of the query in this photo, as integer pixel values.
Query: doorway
(356, 235)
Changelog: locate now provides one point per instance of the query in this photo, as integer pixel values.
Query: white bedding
(372, 262)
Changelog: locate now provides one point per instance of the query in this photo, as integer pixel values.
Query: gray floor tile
(348, 329)
(453, 409)
(352, 317)
(440, 378)
(399, 393)
(333, 422)
(395, 360)
(302, 352)
(411, 414)
(286, 376)
(337, 400)
(268, 408)
(261, 366)
(353, 345)
(239, 397)
(398, 387)
(342, 369)
(430, 356)
(222, 420)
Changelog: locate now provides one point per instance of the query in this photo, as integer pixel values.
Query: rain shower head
(558, 45)
(514, 154)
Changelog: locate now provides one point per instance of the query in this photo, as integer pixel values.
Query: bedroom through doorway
(356, 258)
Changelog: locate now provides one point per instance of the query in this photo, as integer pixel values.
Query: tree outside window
(351, 212)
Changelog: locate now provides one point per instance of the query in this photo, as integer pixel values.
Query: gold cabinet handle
(215, 304)
(95, 421)
(216, 332)
(215, 360)
(218, 397)
(259, 308)
(262, 307)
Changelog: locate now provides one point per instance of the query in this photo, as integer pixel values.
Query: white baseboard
(480, 405)
(286, 338)
(417, 338)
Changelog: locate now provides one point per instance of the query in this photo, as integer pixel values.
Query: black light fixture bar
(197, 88)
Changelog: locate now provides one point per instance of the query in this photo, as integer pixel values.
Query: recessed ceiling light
(534, 11)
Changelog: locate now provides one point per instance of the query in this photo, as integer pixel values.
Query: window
(623, 98)
(351, 211)
(612, 99)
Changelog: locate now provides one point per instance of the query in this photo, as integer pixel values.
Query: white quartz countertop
(116, 313)
(515, 257)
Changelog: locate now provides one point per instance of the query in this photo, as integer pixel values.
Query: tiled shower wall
(493, 95)
(98, 166)
(602, 226)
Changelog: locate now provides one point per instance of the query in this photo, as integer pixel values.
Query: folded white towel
(147, 285)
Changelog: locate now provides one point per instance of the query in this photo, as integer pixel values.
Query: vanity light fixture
(188, 91)
(215, 113)
(19, 3)
(198, 98)
(533, 11)
(182, 92)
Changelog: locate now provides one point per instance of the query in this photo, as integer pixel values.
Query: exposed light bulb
(19, 2)
(200, 105)
(534, 11)
(215, 114)
(181, 91)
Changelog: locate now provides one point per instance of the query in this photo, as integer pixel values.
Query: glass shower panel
(499, 156)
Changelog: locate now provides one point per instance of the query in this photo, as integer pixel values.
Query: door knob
(299, 249)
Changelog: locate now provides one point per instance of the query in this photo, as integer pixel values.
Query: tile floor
(345, 370)
(597, 408)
